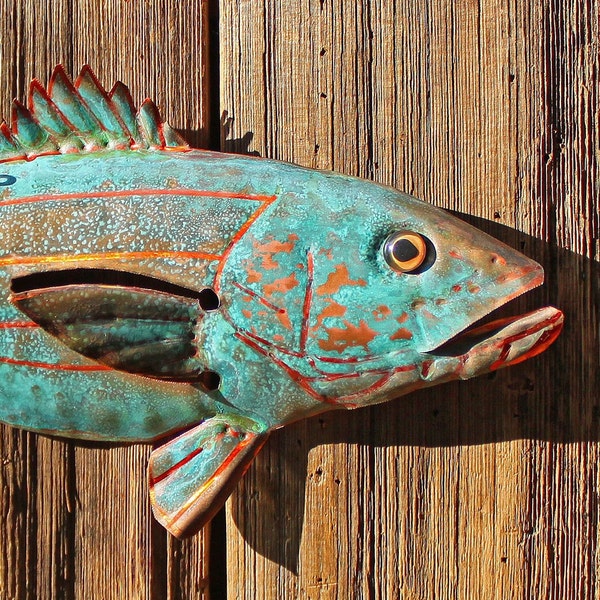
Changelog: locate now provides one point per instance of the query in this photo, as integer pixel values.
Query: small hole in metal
(208, 300)
(210, 381)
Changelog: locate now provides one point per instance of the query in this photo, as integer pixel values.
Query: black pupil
(404, 250)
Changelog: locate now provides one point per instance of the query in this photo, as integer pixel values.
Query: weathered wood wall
(483, 489)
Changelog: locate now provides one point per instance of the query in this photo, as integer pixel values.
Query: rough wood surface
(75, 519)
(482, 489)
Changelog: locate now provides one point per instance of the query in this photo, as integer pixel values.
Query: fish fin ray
(123, 104)
(91, 90)
(143, 332)
(28, 131)
(71, 117)
(191, 476)
(9, 145)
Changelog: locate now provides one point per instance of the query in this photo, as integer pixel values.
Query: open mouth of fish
(502, 342)
(488, 345)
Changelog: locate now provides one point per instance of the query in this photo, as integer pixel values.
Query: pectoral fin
(141, 331)
(191, 477)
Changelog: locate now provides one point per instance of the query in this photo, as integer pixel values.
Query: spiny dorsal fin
(82, 117)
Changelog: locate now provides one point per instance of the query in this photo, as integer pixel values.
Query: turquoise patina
(149, 288)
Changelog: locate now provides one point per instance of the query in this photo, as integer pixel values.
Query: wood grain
(482, 489)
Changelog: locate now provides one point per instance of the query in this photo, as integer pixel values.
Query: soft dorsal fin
(82, 117)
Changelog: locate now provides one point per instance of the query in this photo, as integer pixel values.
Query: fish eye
(405, 251)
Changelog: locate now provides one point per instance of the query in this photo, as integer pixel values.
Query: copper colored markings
(456, 288)
(455, 254)
(402, 334)
(259, 298)
(284, 319)
(267, 250)
(253, 276)
(133, 193)
(336, 280)
(19, 325)
(402, 318)
(59, 258)
(308, 296)
(333, 309)
(281, 285)
(267, 201)
(340, 338)
(53, 367)
(381, 312)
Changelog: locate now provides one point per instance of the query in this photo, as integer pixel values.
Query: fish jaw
(492, 275)
(492, 346)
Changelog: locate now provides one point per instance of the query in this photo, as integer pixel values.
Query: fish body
(147, 288)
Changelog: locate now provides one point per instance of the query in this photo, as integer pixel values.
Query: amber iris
(405, 251)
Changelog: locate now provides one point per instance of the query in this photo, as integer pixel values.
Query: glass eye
(405, 251)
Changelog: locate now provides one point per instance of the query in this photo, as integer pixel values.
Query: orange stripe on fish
(133, 193)
(60, 258)
(53, 366)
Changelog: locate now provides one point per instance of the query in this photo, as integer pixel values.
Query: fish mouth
(490, 346)
(482, 347)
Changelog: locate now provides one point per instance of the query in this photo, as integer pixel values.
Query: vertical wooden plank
(77, 516)
(483, 489)
(39, 555)
(564, 499)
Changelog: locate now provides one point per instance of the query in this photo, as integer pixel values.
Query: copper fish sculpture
(149, 290)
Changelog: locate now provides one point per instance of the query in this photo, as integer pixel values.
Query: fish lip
(500, 343)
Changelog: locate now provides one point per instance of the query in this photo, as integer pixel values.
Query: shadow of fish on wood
(535, 403)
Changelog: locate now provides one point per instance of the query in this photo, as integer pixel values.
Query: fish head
(379, 291)
(409, 281)
(417, 275)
